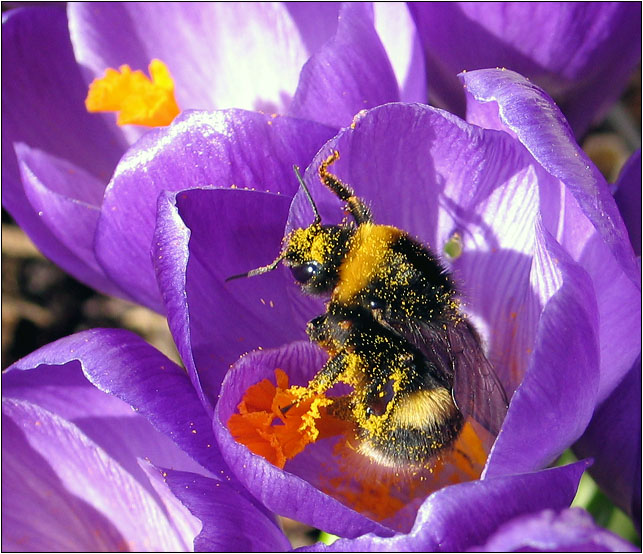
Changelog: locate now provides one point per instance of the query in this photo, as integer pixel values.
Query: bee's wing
(456, 351)
(477, 390)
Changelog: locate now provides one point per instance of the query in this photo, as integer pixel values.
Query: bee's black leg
(360, 211)
(324, 379)
(327, 376)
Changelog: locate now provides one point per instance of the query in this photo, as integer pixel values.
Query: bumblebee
(388, 289)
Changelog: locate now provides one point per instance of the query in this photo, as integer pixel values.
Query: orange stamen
(138, 99)
(278, 422)
(373, 498)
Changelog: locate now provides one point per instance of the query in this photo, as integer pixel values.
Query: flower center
(278, 422)
(136, 98)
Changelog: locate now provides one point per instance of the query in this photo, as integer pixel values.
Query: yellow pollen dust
(310, 243)
(136, 98)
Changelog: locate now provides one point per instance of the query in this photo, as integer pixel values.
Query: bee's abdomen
(421, 426)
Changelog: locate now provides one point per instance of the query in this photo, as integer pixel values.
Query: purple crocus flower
(581, 53)
(540, 235)
(546, 267)
(58, 159)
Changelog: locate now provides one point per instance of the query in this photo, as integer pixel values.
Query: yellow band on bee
(365, 258)
(425, 408)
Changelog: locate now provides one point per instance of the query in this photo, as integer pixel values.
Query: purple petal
(628, 199)
(46, 98)
(613, 439)
(564, 363)
(619, 305)
(398, 34)
(124, 434)
(62, 177)
(186, 523)
(361, 75)
(527, 112)
(461, 516)
(580, 53)
(67, 200)
(119, 363)
(570, 530)
(316, 22)
(231, 148)
(203, 237)
(577, 208)
(46, 95)
(293, 492)
(230, 521)
(63, 492)
(392, 159)
(256, 47)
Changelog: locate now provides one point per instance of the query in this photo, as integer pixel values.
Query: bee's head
(314, 255)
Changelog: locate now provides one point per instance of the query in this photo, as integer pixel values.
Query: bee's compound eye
(305, 272)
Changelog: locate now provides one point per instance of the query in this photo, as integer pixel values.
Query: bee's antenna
(259, 270)
(273, 265)
(310, 198)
